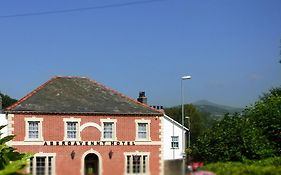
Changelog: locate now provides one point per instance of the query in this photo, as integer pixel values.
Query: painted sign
(89, 143)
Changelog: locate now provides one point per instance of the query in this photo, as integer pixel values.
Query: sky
(230, 48)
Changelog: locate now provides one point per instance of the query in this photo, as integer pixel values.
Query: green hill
(216, 111)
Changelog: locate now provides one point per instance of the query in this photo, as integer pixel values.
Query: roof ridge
(61, 76)
(124, 96)
(31, 93)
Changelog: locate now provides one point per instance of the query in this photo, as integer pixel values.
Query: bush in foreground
(270, 166)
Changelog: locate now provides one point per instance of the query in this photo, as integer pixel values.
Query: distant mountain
(217, 111)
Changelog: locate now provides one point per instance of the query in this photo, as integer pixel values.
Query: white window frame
(77, 120)
(173, 147)
(147, 172)
(40, 131)
(147, 122)
(46, 156)
(114, 134)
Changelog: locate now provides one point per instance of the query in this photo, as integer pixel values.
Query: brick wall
(53, 130)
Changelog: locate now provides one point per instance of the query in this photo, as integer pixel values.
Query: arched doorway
(91, 164)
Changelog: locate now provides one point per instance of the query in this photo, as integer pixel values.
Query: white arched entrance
(91, 161)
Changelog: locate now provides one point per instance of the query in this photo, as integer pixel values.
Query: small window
(108, 130)
(175, 142)
(72, 130)
(33, 129)
(142, 130)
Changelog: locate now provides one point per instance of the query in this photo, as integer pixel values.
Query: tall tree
(266, 114)
(7, 100)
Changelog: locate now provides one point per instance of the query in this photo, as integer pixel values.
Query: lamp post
(188, 119)
(182, 122)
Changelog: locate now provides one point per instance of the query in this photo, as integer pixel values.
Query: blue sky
(229, 47)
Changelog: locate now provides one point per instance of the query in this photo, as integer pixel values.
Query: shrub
(270, 166)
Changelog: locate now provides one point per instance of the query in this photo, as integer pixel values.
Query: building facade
(74, 125)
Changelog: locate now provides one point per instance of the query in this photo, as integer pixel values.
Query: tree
(7, 100)
(232, 139)
(11, 162)
(266, 114)
(256, 134)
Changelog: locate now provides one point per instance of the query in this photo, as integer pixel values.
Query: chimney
(142, 98)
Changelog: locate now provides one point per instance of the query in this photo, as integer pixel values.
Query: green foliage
(10, 160)
(266, 114)
(232, 139)
(254, 135)
(270, 166)
(7, 100)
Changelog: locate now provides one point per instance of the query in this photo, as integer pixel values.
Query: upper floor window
(175, 142)
(108, 129)
(143, 130)
(71, 128)
(33, 129)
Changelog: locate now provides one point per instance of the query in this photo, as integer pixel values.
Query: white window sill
(34, 140)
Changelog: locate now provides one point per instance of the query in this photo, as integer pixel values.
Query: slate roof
(78, 95)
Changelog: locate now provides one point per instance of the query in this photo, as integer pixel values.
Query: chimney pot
(142, 98)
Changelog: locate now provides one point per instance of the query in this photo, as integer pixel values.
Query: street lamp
(182, 122)
(188, 118)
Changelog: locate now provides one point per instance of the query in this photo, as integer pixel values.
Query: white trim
(175, 122)
(82, 170)
(114, 134)
(10, 118)
(41, 143)
(72, 119)
(148, 138)
(46, 155)
(10, 126)
(23, 143)
(40, 129)
(90, 124)
(137, 153)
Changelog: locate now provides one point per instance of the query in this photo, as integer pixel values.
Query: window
(175, 142)
(143, 130)
(137, 163)
(42, 164)
(71, 129)
(33, 129)
(108, 129)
